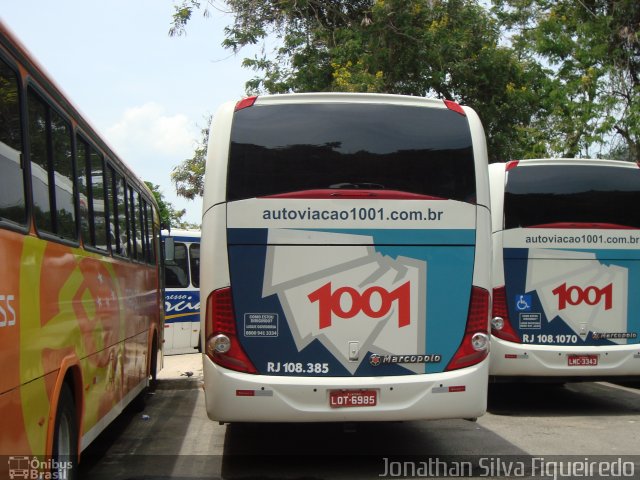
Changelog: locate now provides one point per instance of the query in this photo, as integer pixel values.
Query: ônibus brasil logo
(330, 303)
(35, 468)
(591, 295)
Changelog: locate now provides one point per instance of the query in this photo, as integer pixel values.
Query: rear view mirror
(169, 249)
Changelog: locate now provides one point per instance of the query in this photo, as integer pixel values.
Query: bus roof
(573, 161)
(176, 232)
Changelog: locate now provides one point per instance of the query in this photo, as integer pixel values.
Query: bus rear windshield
(278, 149)
(572, 194)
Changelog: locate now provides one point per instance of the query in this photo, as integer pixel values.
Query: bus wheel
(65, 437)
(153, 367)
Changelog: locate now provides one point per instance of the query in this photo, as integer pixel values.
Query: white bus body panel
(306, 399)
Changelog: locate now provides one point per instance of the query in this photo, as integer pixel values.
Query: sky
(147, 94)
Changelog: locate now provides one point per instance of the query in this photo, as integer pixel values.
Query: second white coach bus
(566, 240)
(345, 260)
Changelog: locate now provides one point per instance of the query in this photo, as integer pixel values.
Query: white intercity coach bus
(345, 260)
(566, 242)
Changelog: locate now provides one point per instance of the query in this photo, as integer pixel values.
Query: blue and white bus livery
(350, 235)
(182, 293)
(566, 240)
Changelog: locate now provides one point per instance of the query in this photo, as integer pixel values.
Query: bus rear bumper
(516, 360)
(239, 397)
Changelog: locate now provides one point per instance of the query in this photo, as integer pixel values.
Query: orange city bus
(80, 298)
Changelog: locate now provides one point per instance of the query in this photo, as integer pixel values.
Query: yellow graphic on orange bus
(80, 312)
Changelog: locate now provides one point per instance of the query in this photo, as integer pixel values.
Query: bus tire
(153, 365)
(65, 437)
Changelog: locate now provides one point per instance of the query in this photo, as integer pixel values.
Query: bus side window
(12, 201)
(38, 153)
(151, 256)
(51, 168)
(133, 223)
(98, 199)
(123, 229)
(194, 260)
(82, 155)
(65, 217)
(177, 270)
(141, 240)
(113, 205)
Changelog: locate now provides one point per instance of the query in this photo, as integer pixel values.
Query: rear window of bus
(296, 147)
(547, 194)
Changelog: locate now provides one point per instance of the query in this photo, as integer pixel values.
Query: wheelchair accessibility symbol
(523, 303)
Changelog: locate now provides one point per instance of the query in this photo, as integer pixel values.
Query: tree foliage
(593, 49)
(169, 216)
(547, 77)
(188, 177)
(446, 49)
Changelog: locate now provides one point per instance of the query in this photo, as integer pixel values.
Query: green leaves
(169, 216)
(547, 77)
(594, 54)
(188, 177)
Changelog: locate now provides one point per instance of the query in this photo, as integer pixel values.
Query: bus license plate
(582, 360)
(352, 398)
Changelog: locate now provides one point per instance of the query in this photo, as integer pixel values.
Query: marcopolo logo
(591, 295)
(374, 302)
(376, 359)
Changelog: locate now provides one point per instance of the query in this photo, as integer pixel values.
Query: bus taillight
(455, 107)
(245, 102)
(221, 339)
(475, 344)
(500, 324)
(510, 165)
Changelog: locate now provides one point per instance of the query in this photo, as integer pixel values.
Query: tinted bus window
(123, 229)
(287, 148)
(98, 201)
(194, 262)
(63, 177)
(151, 257)
(177, 270)
(39, 162)
(51, 169)
(140, 239)
(132, 222)
(113, 205)
(12, 202)
(82, 157)
(543, 195)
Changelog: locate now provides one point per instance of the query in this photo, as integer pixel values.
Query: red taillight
(245, 102)
(455, 107)
(220, 322)
(500, 310)
(511, 165)
(475, 333)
